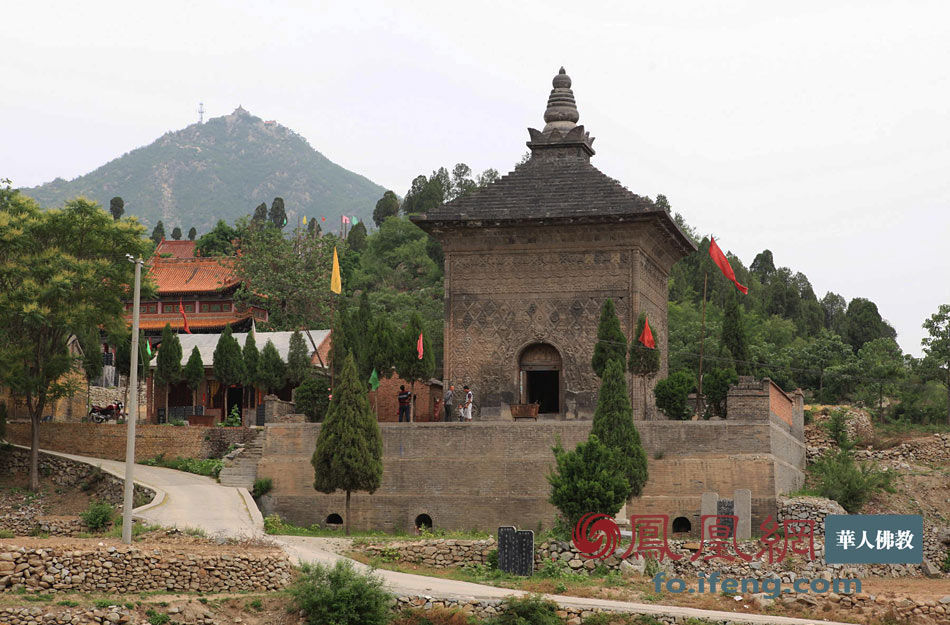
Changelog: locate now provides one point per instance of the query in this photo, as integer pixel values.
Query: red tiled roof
(195, 321)
(178, 249)
(192, 275)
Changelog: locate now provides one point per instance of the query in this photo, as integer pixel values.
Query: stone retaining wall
(130, 569)
(107, 440)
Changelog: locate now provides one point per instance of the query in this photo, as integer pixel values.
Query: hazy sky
(819, 130)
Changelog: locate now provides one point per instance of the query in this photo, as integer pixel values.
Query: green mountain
(222, 169)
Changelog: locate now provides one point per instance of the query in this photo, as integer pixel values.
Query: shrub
(262, 486)
(178, 422)
(98, 515)
(672, 395)
(587, 479)
(945, 565)
(532, 610)
(837, 426)
(311, 398)
(851, 484)
(716, 387)
(492, 559)
(233, 419)
(157, 618)
(340, 595)
(210, 467)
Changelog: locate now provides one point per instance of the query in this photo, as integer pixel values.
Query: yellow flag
(335, 284)
(305, 220)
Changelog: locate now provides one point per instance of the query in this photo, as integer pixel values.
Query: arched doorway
(540, 377)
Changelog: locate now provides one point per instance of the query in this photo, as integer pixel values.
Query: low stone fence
(130, 569)
(100, 485)
(438, 553)
(107, 440)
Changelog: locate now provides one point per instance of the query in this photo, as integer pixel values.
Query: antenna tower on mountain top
(201, 112)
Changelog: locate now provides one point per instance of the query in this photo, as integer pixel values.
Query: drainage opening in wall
(334, 519)
(681, 524)
(423, 521)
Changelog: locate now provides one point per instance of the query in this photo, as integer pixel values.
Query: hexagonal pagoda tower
(529, 261)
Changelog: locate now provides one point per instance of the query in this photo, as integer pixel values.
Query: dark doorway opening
(334, 519)
(179, 395)
(235, 398)
(424, 521)
(681, 524)
(543, 389)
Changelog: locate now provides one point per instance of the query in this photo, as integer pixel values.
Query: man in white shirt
(467, 405)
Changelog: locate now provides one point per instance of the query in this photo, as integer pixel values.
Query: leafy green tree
(865, 323)
(356, 239)
(158, 232)
(277, 214)
(427, 193)
(643, 361)
(380, 346)
(716, 385)
(409, 366)
(312, 397)
(672, 395)
(387, 206)
(260, 214)
(61, 271)
(611, 343)
(313, 228)
(272, 374)
(91, 351)
(298, 359)
(937, 346)
(882, 362)
(587, 479)
(349, 452)
(192, 233)
(822, 352)
(194, 373)
(613, 425)
(763, 265)
(176, 233)
(168, 363)
(219, 241)
(252, 358)
(117, 208)
(734, 336)
(228, 363)
(834, 308)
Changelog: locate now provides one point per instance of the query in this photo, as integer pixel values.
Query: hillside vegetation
(221, 169)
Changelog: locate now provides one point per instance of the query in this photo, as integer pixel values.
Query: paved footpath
(186, 500)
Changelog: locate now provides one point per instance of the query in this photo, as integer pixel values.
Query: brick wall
(486, 474)
(388, 405)
(108, 440)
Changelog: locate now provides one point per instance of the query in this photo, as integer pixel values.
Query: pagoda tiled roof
(192, 275)
(178, 249)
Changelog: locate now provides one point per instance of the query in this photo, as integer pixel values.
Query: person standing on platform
(449, 399)
(404, 397)
(467, 406)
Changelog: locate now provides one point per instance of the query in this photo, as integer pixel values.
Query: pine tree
(356, 239)
(277, 215)
(116, 207)
(409, 366)
(194, 373)
(380, 346)
(158, 233)
(349, 453)
(312, 397)
(644, 362)
(613, 425)
(192, 233)
(587, 479)
(611, 343)
(168, 363)
(260, 214)
(734, 336)
(272, 372)
(298, 359)
(313, 228)
(251, 357)
(228, 363)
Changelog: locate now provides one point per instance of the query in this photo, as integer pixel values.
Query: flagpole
(702, 344)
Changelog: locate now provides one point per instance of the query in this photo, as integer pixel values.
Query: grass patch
(6, 534)
(210, 467)
(138, 530)
(262, 486)
(157, 618)
(39, 597)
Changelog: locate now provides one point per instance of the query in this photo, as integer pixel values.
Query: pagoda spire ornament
(560, 122)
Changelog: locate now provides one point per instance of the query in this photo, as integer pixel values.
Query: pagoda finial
(561, 113)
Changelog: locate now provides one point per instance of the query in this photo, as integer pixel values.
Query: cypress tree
(194, 373)
(349, 453)
(277, 215)
(192, 233)
(158, 232)
(168, 362)
(260, 214)
(116, 207)
(643, 362)
(380, 346)
(272, 372)
(611, 343)
(356, 239)
(298, 359)
(613, 425)
(228, 362)
(176, 233)
(587, 479)
(251, 357)
(734, 335)
(409, 366)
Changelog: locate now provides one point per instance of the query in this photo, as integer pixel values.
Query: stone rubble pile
(130, 569)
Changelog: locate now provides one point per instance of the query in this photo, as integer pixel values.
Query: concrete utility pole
(133, 408)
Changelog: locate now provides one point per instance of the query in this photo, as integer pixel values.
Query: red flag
(419, 346)
(184, 319)
(646, 337)
(723, 263)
